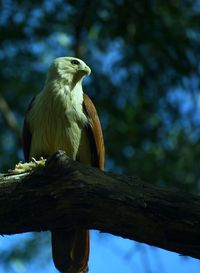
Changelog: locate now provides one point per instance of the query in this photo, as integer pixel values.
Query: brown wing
(26, 135)
(94, 133)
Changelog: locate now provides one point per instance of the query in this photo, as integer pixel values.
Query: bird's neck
(64, 90)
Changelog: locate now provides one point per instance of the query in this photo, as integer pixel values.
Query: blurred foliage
(22, 248)
(145, 60)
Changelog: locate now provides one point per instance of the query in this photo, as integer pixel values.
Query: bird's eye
(75, 62)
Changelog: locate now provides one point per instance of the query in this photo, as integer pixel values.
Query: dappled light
(145, 84)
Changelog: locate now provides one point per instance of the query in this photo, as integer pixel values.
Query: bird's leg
(28, 166)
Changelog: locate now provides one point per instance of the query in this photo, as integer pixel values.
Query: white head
(68, 69)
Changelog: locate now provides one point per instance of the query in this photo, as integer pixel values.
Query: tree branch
(80, 24)
(9, 117)
(67, 194)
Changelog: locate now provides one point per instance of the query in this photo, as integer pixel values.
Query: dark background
(145, 61)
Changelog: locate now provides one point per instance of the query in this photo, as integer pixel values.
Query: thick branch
(66, 193)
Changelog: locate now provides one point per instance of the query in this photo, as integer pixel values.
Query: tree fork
(66, 194)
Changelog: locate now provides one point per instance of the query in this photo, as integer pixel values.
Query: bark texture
(66, 194)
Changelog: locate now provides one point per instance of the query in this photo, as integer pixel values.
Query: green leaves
(139, 52)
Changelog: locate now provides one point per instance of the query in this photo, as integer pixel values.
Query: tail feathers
(70, 250)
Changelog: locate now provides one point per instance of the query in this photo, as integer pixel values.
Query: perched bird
(62, 117)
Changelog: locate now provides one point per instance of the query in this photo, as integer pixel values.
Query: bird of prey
(62, 117)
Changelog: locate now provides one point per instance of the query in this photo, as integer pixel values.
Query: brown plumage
(70, 249)
(94, 133)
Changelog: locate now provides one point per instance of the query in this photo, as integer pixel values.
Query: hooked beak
(87, 70)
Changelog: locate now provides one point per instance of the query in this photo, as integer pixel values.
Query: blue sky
(108, 254)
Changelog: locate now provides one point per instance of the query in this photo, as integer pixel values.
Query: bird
(63, 117)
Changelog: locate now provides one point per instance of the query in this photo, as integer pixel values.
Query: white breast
(57, 122)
